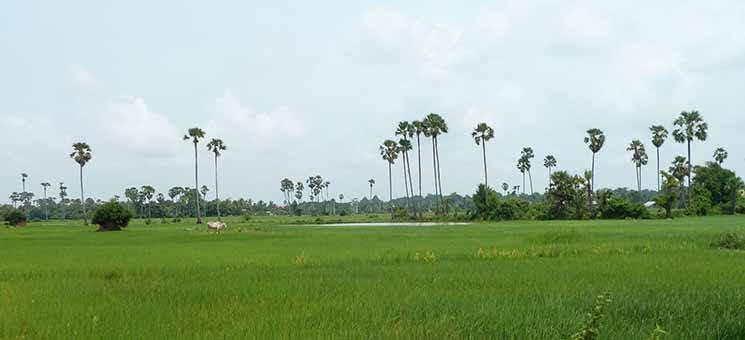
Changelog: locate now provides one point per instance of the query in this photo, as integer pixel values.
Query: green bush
(618, 208)
(400, 213)
(729, 241)
(701, 203)
(111, 216)
(15, 218)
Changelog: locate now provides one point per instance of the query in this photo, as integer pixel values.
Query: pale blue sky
(303, 88)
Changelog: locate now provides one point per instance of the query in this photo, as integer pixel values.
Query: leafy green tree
(690, 126)
(669, 194)
(679, 170)
(659, 135)
(216, 146)
(82, 154)
(717, 181)
(45, 186)
(133, 195)
(720, 154)
(482, 134)
(639, 158)
(549, 162)
(15, 198)
(195, 135)
(595, 140)
(389, 153)
(566, 197)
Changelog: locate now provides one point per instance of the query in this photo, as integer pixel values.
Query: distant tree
(404, 146)
(690, 126)
(23, 181)
(45, 186)
(389, 153)
(147, 193)
(195, 134)
(287, 187)
(720, 154)
(15, 198)
(522, 167)
(299, 191)
(505, 187)
(216, 146)
(639, 158)
(668, 196)
(549, 162)
(406, 130)
(82, 155)
(372, 183)
(419, 128)
(482, 134)
(63, 198)
(527, 155)
(659, 135)
(594, 140)
(204, 190)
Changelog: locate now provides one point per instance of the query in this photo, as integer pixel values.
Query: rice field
(277, 277)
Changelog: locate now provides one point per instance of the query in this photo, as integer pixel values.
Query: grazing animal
(216, 226)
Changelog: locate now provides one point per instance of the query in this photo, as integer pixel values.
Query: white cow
(216, 226)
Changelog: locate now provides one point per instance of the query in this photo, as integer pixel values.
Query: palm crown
(216, 145)
(482, 133)
(595, 139)
(639, 153)
(659, 135)
(195, 134)
(389, 151)
(549, 161)
(434, 125)
(81, 153)
(690, 125)
(720, 154)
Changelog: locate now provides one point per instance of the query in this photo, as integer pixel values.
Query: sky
(299, 88)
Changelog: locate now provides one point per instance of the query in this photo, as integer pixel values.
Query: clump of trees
(111, 216)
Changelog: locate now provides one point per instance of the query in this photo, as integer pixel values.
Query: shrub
(400, 214)
(618, 208)
(111, 216)
(15, 218)
(148, 221)
(729, 241)
(701, 202)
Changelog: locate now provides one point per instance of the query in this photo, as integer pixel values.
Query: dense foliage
(15, 218)
(111, 216)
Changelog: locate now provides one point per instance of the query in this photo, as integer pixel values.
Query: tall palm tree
(216, 146)
(505, 187)
(404, 146)
(481, 134)
(82, 154)
(435, 126)
(523, 168)
(371, 182)
(527, 154)
(407, 130)
(419, 128)
(299, 191)
(147, 193)
(45, 186)
(389, 152)
(23, 181)
(659, 135)
(690, 126)
(639, 158)
(196, 134)
(594, 140)
(287, 187)
(720, 154)
(549, 162)
(62, 198)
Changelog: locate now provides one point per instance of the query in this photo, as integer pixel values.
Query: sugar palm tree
(639, 158)
(435, 126)
(216, 146)
(549, 162)
(404, 146)
(505, 187)
(659, 135)
(23, 181)
(527, 154)
(287, 187)
(690, 126)
(147, 193)
(195, 135)
(389, 152)
(371, 182)
(82, 154)
(481, 134)
(45, 186)
(594, 140)
(720, 154)
(299, 187)
(406, 130)
(418, 130)
(523, 167)
(62, 198)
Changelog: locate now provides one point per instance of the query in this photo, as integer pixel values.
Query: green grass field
(267, 279)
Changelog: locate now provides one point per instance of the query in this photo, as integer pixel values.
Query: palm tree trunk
(411, 184)
(523, 182)
(592, 187)
(439, 178)
(217, 191)
(196, 181)
(530, 178)
(82, 197)
(483, 149)
(658, 170)
(46, 205)
(406, 182)
(434, 168)
(690, 166)
(390, 189)
(419, 160)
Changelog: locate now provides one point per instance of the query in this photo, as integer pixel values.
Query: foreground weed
(300, 260)
(730, 240)
(591, 328)
(426, 257)
(657, 333)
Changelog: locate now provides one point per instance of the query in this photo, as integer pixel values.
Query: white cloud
(582, 22)
(129, 123)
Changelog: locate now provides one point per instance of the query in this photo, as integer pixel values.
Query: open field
(266, 279)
